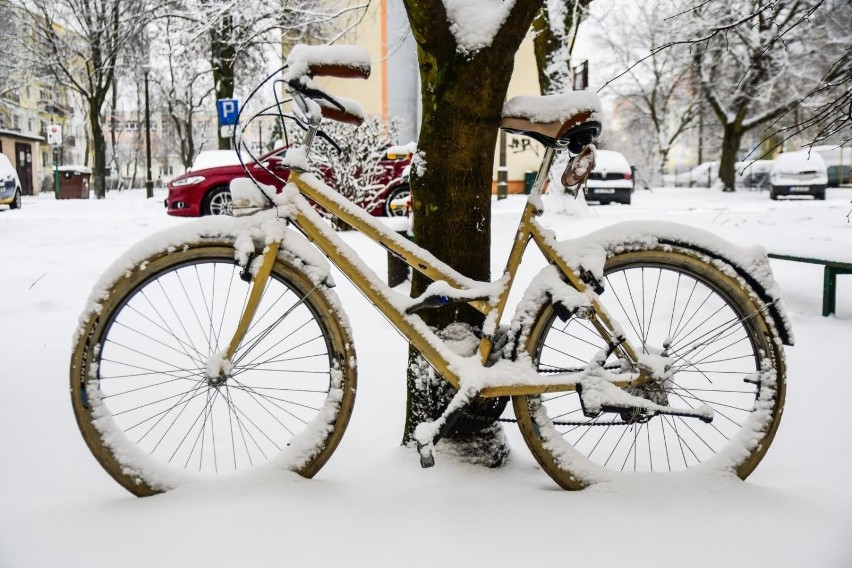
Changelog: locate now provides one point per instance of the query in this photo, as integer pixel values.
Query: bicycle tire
(140, 385)
(719, 338)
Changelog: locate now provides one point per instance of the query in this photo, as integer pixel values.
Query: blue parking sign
(228, 109)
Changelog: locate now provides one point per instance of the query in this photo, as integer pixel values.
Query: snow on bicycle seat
(552, 117)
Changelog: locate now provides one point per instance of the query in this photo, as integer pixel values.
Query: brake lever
(311, 93)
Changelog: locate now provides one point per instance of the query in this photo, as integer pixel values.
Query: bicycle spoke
(710, 345)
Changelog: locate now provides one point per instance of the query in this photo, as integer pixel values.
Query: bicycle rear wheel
(723, 353)
(153, 413)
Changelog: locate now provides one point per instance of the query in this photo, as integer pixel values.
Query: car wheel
(400, 192)
(626, 201)
(217, 202)
(772, 195)
(820, 195)
(16, 203)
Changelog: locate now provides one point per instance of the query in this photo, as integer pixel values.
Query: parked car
(702, 175)
(214, 158)
(838, 163)
(398, 195)
(10, 185)
(798, 173)
(754, 174)
(611, 180)
(205, 190)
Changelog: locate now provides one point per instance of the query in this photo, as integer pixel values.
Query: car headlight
(188, 181)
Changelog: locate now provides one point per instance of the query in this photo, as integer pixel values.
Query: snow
(302, 57)
(372, 505)
(552, 108)
(793, 168)
(215, 158)
(611, 161)
(77, 169)
(475, 23)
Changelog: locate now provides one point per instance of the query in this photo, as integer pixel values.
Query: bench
(829, 282)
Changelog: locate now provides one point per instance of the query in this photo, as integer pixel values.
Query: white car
(10, 185)
(702, 175)
(798, 173)
(754, 174)
(611, 180)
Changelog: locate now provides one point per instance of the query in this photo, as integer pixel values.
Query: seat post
(543, 171)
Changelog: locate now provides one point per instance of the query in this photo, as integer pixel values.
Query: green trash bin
(529, 181)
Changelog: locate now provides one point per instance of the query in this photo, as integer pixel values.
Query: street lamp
(149, 183)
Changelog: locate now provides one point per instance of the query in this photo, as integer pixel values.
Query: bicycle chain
(490, 419)
(559, 423)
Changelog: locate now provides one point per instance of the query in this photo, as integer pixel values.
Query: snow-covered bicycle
(219, 346)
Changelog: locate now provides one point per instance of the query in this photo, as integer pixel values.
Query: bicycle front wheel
(722, 353)
(153, 414)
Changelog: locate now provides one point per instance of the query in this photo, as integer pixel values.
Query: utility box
(74, 182)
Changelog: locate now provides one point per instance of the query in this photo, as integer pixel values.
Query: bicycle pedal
(427, 455)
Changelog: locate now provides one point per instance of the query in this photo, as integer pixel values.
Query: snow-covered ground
(372, 505)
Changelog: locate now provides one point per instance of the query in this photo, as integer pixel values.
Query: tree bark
(99, 147)
(553, 43)
(731, 139)
(462, 98)
(222, 57)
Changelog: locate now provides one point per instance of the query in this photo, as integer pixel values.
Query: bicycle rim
(723, 355)
(146, 402)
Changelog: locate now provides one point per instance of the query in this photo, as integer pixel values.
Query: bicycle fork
(218, 367)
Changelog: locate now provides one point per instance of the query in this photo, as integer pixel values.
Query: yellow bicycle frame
(378, 293)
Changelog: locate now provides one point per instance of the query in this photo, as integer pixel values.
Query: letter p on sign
(228, 109)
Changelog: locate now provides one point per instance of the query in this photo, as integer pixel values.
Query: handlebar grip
(334, 113)
(340, 71)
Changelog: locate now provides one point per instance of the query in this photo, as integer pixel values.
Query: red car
(207, 191)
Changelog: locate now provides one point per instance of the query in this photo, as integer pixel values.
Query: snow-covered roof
(215, 158)
(799, 162)
(610, 161)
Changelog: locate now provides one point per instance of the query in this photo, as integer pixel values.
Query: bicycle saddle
(571, 118)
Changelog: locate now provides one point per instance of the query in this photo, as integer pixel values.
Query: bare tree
(184, 81)
(80, 42)
(744, 55)
(14, 72)
(659, 84)
(825, 112)
(243, 34)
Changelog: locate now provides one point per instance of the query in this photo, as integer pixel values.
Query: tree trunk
(99, 144)
(462, 97)
(555, 29)
(222, 56)
(731, 138)
(554, 41)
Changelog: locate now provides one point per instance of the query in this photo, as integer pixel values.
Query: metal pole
(56, 171)
(149, 183)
